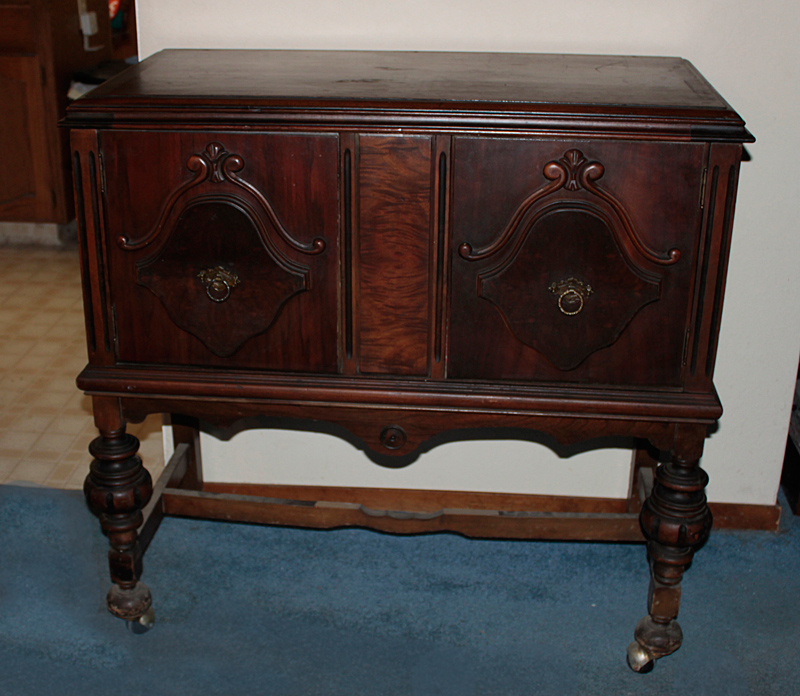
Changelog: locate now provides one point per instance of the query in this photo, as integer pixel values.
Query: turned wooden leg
(676, 521)
(116, 489)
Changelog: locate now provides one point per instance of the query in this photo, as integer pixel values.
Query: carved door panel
(573, 261)
(223, 248)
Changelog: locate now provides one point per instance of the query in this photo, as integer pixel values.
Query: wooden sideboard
(403, 244)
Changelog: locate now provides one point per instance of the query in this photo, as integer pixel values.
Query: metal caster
(144, 623)
(640, 659)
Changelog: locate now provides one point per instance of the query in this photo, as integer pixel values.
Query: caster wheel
(640, 659)
(145, 622)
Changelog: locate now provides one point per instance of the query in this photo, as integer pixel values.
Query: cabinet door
(223, 248)
(26, 186)
(573, 261)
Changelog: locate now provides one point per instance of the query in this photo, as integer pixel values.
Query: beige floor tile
(34, 290)
(61, 474)
(41, 454)
(79, 403)
(15, 302)
(32, 363)
(27, 330)
(74, 320)
(45, 317)
(32, 471)
(39, 410)
(9, 317)
(15, 453)
(46, 423)
(8, 360)
(42, 381)
(70, 425)
(63, 331)
(80, 457)
(50, 447)
(47, 347)
(6, 467)
(59, 302)
(55, 382)
(80, 445)
(71, 364)
(30, 423)
(75, 482)
(16, 381)
(17, 440)
(15, 346)
(7, 399)
(54, 399)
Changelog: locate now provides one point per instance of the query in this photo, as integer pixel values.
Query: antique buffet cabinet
(403, 244)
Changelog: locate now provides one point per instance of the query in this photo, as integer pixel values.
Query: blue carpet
(256, 610)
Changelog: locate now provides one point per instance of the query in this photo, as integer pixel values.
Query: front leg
(676, 521)
(116, 489)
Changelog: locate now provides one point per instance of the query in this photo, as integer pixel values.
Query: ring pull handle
(572, 294)
(218, 282)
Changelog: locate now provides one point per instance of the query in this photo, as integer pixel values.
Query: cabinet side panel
(719, 204)
(90, 211)
(394, 254)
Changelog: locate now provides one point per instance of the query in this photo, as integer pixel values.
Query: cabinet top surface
(485, 83)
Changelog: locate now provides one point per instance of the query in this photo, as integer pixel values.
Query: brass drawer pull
(218, 282)
(572, 294)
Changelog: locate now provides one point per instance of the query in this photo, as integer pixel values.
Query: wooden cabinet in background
(41, 46)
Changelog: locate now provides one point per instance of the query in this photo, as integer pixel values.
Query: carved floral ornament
(571, 172)
(216, 163)
(218, 166)
(573, 162)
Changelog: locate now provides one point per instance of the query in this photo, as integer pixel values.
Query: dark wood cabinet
(404, 245)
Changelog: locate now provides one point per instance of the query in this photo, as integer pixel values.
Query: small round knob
(393, 437)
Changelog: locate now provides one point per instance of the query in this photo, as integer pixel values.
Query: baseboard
(743, 516)
(37, 233)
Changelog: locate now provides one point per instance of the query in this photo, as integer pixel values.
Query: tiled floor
(45, 422)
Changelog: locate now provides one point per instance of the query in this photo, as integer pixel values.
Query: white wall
(748, 51)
